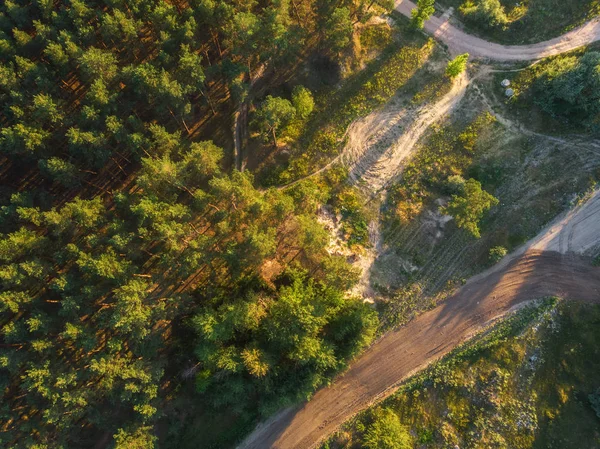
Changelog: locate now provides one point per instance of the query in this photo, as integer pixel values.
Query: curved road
(460, 42)
(538, 269)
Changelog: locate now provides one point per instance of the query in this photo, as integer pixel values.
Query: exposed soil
(460, 42)
(380, 144)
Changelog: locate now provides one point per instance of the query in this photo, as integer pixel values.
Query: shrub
(497, 253)
(469, 207)
(386, 432)
(457, 66)
(455, 184)
(303, 101)
(569, 87)
(487, 13)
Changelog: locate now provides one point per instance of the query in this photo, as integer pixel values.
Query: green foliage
(338, 29)
(568, 86)
(280, 346)
(497, 253)
(488, 13)
(273, 114)
(117, 222)
(437, 168)
(457, 66)
(422, 13)
(386, 432)
(469, 207)
(303, 101)
(355, 226)
(140, 438)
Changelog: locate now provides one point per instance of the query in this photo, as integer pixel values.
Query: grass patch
(524, 384)
(448, 152)
(528, 21)
(351, 206)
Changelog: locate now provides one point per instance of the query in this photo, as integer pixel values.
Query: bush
(455, 184)
(457, 66)
(497, 253)
(569, 87)
(303, 101)
(486, 13)
(386, 432)
(469, 208)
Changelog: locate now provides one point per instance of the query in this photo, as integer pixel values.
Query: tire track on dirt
(377, 151)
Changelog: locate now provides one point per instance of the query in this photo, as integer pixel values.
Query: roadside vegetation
(529, 382)
(524, 22)
(559, 94)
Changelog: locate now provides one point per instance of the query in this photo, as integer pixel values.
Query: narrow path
(460, 42)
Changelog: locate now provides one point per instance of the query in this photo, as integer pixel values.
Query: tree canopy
(469, 207)
(138, 271)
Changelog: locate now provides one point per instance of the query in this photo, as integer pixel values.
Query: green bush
(386, 432)
(486, 13)
(569, 87)
(303, 101)
(497, 253)
(457, 66)
(469, 208)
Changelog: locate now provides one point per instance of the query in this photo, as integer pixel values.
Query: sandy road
(460, 42)
(548, 265)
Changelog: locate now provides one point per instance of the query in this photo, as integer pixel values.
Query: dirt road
(460, 42)
(400, 353)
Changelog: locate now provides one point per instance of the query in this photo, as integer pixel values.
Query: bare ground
(460, 42)
(381, 143)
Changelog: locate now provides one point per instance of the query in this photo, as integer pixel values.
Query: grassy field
(529, 21)
(524, 384)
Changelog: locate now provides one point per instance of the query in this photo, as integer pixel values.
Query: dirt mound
(381, 143)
